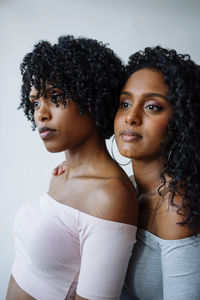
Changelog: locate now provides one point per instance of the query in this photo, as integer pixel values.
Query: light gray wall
(127, 25)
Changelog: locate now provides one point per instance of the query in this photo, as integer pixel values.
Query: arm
(181, 268)
(106, 246)
(180, 255)
(105, 252)
(15, 292)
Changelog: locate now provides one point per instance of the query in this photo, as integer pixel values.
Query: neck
(147, 175)
(87, 157)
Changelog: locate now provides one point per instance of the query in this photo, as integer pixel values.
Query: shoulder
(169, 219)
(116, 200)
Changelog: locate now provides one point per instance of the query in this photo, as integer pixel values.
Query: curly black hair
(181, 147)
(83, 69)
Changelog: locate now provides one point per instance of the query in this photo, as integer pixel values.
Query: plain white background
(127, 25)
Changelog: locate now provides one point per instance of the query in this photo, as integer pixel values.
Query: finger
(55, 171)
(61, 169)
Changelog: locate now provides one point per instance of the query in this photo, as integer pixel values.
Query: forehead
(48, 89)
(33, 91)
(147, 80)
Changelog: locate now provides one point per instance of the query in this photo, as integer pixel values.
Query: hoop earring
(112, 152)
(169, 155)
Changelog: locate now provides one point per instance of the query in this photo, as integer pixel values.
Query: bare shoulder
(55, 179)
(56, 182)
(116, 200)
(169, 219)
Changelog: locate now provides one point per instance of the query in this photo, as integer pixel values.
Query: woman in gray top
(157, 125)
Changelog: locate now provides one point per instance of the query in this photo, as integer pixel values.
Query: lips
(129, 136)
(46, 132)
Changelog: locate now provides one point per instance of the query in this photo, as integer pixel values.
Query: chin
(54, 149)
(125, 150)
(127, 153)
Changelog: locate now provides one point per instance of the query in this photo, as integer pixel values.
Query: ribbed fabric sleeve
(163, 269)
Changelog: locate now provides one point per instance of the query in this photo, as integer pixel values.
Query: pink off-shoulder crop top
(61, 251)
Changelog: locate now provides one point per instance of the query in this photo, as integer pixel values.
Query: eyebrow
(50, 89)
(147, 95)
(125, 93)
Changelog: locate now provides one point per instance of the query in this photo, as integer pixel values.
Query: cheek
(78, 129)
(158, 129)
(162, 125)
(35, 118)
(118, 124)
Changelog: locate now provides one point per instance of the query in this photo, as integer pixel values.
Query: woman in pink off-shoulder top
(75, 241)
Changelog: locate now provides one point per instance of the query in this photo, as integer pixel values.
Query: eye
(124, 104)
(154, 107)
(35, 104)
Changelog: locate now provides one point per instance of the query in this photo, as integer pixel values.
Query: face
(61, 128)
(143, 114)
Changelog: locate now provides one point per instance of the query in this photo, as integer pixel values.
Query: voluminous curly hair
(181, 147)
(82, 69)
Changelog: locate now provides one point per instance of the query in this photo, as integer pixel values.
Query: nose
(43, 113)
(133, 117)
